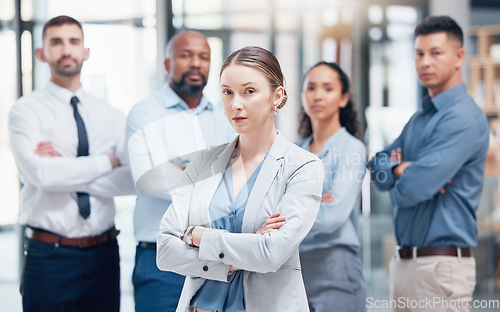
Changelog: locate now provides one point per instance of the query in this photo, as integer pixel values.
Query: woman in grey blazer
(235, 226)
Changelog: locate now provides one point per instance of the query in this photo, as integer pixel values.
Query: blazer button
(205, 268)
(221, 255)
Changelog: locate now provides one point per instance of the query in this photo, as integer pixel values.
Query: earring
(275, 110)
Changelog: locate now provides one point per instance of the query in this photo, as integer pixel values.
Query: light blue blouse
(227, 212)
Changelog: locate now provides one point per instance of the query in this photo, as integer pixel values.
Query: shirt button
(205, 268)
(221, 255)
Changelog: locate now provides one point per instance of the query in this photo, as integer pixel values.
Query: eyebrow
(59, 39)
(243, 85)
(432, 48)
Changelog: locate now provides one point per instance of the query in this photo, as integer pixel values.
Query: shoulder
(352, 144)
(466, 115)
(147, 103)
(103, 106)
(28, 104)
(209, 154)
(296, 157)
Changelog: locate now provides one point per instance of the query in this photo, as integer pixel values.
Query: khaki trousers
(432, 284)
(195, 309)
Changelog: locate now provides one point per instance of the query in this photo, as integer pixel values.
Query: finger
(442, 191)
(277, 219)
(449, 182)
(276, 225)
(44, 145)
(274, 215)
(274, 220)
(269, 231)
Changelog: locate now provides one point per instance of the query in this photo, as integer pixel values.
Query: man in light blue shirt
(434, 172)
(166, 129)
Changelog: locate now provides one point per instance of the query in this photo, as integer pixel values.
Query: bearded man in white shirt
(68, 148)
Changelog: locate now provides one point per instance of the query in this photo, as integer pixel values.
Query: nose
(195, 62)
(236, 104)
(66, 48)
(318, 94)
(425, 60)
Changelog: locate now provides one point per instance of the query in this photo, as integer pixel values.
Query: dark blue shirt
(447, 139)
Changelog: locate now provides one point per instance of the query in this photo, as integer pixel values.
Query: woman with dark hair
(331, 270)
(226, 228)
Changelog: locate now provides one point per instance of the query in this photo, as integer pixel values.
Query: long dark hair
(348, 115)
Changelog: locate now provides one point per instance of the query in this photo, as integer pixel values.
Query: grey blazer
(290, 181)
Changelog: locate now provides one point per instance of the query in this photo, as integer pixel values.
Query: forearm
(176, 256)
(381, 171)
(62, 173)
(116, 183)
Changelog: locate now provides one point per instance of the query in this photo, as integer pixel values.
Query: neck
(455, 80)
(192, 100)
(324, 129)
(257, 143)
(71, 83)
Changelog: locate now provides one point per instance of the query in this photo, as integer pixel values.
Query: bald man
(176, 120)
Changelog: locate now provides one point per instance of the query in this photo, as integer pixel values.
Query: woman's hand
(197, 233)
(272, 223)
(328, 197)
(192, 235)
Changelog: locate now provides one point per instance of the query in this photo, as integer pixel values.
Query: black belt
(147, 245)
(81, 242)
(407, 253)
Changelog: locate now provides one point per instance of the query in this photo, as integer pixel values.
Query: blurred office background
(371, 39)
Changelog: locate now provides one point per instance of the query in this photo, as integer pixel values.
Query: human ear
(40, 55)
(86, 54)
(166, 63)
(460, 54)
(280, 97)
(345, 99)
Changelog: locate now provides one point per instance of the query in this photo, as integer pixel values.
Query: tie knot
(74, 101)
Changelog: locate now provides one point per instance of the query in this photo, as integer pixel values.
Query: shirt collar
(171, 99)
(446, 98)
(63, 94)
(326, 147)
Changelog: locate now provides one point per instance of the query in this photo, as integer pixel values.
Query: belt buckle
(80, 243)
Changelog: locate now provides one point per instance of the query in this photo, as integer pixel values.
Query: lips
(316, 108)
(239, 119)
(426, 75)
(65, 63)
(194, 75)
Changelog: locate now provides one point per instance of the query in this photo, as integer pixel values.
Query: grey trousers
(334, 280)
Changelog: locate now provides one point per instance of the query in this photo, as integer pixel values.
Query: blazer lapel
(267, 174)
(208, 184)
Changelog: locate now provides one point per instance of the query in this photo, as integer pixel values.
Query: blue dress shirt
(227, 213)
(344, 159)
(447, 139)
(216, 130)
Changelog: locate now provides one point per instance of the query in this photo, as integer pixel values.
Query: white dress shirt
(49, 184)
(160, 129)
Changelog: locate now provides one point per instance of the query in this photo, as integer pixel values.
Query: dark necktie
(83, 150)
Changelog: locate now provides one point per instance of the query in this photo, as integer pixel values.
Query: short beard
(184, 87)
(67, 72)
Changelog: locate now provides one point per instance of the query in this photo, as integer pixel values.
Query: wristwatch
(188, 236)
